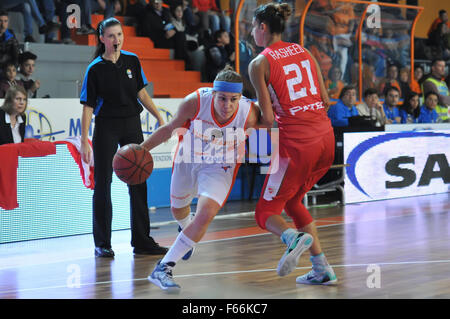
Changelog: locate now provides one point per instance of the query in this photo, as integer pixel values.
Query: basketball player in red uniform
(290, 89)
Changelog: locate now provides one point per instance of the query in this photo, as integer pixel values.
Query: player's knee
(205, 216)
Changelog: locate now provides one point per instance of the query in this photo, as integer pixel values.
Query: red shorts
(300, 167)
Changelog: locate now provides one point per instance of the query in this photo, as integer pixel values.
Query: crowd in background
(389, 93)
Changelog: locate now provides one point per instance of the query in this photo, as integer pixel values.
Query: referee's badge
(129, 73)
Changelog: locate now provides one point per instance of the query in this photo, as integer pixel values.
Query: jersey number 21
(295, 95)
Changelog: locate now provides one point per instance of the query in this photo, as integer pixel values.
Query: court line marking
(343, 222)
(164, 239)
(420, 262)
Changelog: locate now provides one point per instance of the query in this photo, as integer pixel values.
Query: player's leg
(183, 217)
(182, 190)
(322, 272)
(161, 275)
(277, 190)
(213, 187)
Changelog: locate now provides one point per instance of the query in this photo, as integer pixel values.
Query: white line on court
(421, 262)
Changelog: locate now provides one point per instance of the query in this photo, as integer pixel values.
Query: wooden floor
(405, 242)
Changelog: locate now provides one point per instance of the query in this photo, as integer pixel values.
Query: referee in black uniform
(113, 84)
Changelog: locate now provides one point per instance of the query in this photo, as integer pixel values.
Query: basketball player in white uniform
(211, 124)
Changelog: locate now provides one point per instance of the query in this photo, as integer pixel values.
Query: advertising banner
(385, 165)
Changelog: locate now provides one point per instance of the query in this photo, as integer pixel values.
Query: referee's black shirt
(111, 89)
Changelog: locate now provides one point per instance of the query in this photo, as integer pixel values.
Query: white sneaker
(320, 275)
(163, 278)
(295, 249)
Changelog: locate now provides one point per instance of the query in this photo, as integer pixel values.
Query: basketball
(132, 164)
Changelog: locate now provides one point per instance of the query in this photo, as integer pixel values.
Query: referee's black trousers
(108, 134)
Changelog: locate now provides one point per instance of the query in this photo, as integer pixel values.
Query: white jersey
(206, 141)
(207, 159)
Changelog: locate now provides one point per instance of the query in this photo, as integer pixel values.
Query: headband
(104, 22)
(224, 86)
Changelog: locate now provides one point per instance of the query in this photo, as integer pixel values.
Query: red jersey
(295, 92)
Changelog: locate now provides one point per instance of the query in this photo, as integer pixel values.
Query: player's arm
(147, 102)
(323, 89)
(86, 119)
(258, 71)
(254, 118)
(186, 111)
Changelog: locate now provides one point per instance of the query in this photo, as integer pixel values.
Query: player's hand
(326, 103)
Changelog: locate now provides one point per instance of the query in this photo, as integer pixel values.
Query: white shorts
(191, 180)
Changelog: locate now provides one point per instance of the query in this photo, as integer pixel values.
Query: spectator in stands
(395, 45)
(428, 112)
(403, 81)
(9, 79)
(9, 46)
(12, 116)
(390, 106)
(344, 108)
(27, 62)
(191, 20)
(372, 107)
(324, 54)
(334, 84)
(109, 7)
(372, 51)
(211, 17)
(156, 24)
(180, 36)
(341, 28)
(49, 12)
(30, 10)
(219, 55)
(410, 110)
(438, 40)
(435, 83)
(87, 9)
(443, 18)
(415, 83)
(390, 80)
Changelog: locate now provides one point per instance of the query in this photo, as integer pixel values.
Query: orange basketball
(133, 164)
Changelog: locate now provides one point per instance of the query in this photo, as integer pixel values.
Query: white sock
(288, 235)
(319, 262)
(179, 248)
(183, 223)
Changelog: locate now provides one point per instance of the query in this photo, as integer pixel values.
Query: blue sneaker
(295, 249)
(162, 277)
(190, 252)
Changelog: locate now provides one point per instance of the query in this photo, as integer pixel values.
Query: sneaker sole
(289, 262)
(170, 290)
(328, 283)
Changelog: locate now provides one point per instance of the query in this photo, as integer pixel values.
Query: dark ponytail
(274, 15)
(101, 27)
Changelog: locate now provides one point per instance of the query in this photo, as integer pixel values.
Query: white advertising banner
(385, 165)
(58, 119)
